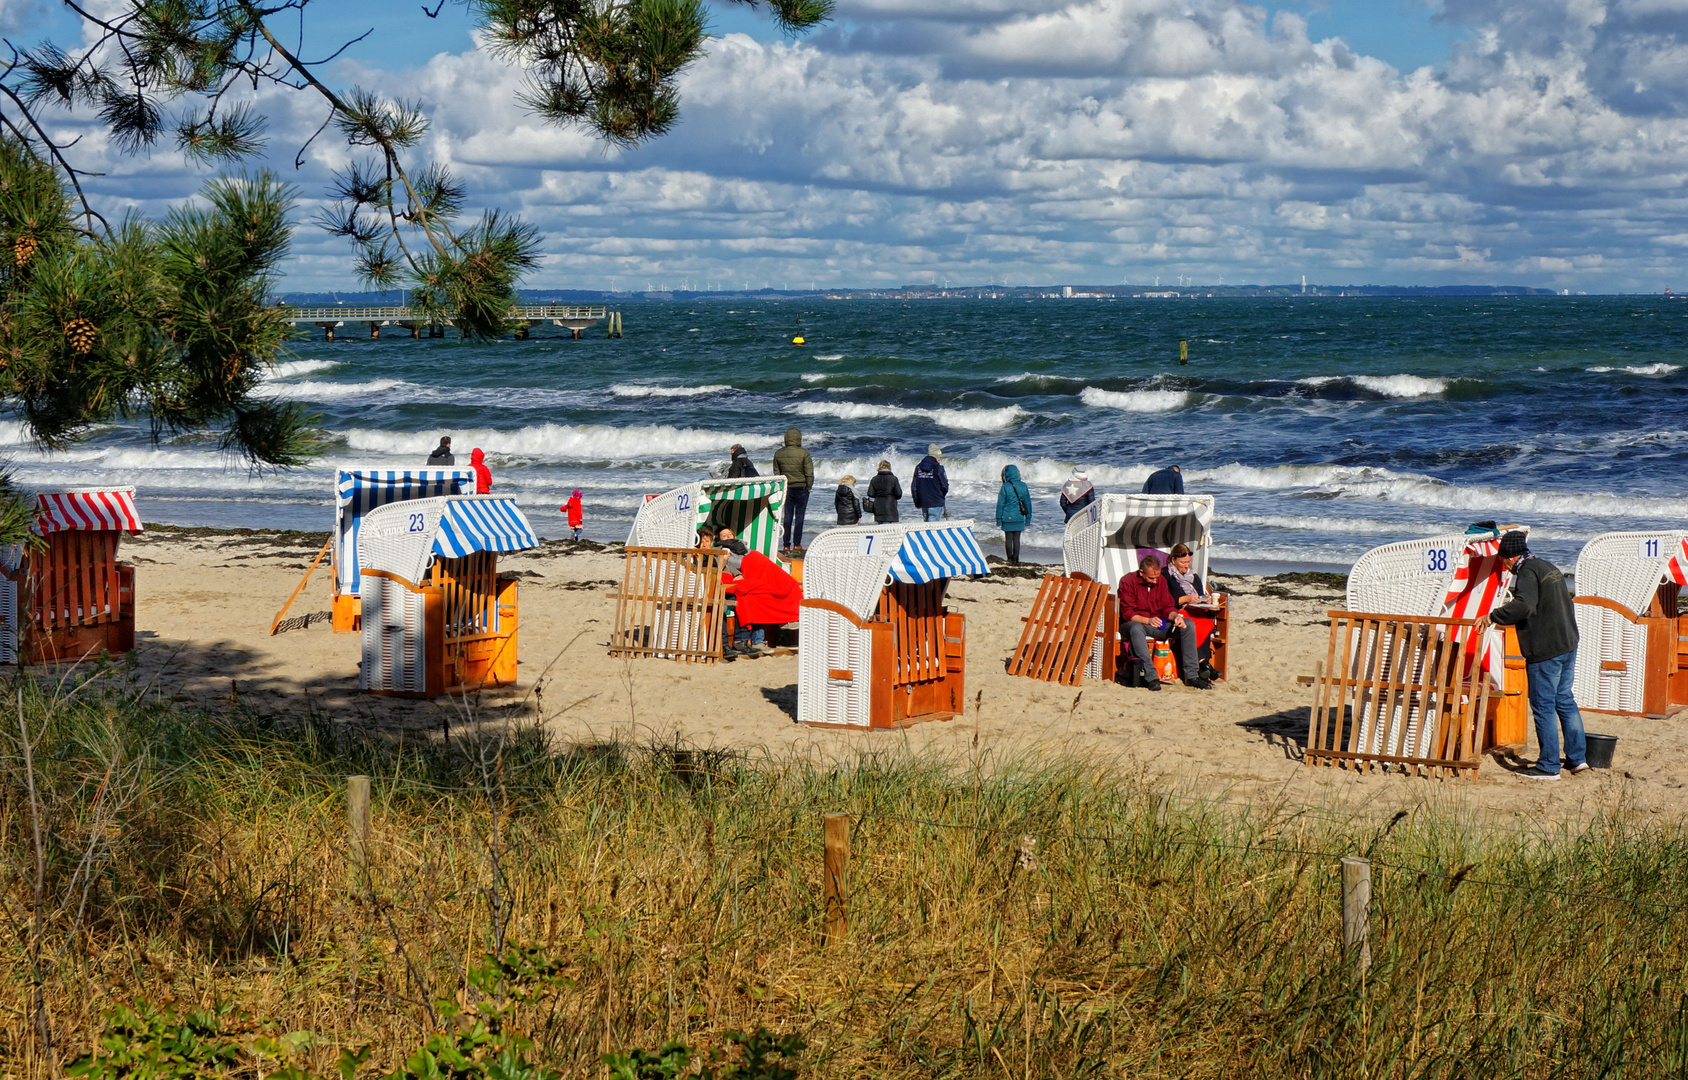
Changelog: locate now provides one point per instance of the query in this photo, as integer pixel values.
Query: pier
(523, 317)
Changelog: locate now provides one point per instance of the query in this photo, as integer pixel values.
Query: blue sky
(1541, 142)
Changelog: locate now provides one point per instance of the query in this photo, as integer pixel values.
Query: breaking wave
(1138, 401)
(562, 442)
(1403, 387)
(954, 419)
(1640, 369)
(633, 391)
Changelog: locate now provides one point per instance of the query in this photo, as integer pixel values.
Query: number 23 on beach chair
(69, 597)
(358, 490)
(437, 618)
(877, 647)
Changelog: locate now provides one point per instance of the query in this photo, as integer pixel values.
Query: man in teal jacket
(1542, 610)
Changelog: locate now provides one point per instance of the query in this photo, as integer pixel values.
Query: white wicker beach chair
(750, 505)
(397, 545)
(845, 571)
(1627, 653)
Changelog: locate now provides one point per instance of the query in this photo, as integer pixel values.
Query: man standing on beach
(741, 465)
(794, 463)
(930, 484)
(1168, 481)
(442, 457)
(1542, 611)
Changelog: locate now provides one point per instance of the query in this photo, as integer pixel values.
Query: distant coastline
(1153, 291)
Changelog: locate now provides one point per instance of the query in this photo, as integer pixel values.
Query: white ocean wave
(634, 391)
(954, 419)
(292, 369)
(1389, 386)
(1138, 401)
(1286, 477)
(1488, 500)
(830, 356)
(332, 391)
(562, 442)
(1640, 369)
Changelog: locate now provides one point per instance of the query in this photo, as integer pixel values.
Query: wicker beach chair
(70, 597)
(878, 648)
(437, 618)
(1632, 658)
(1106, 539)
(358, 490)
(750, 506)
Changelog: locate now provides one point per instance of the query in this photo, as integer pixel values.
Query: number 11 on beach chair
(436, 616)
(69, 597)
(877, 647)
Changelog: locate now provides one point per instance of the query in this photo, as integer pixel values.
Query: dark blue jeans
(796, 509)
(1553, 706)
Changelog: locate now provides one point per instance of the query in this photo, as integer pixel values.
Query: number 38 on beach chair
(877, 647)
(437, 618)
(70, 597)
(1633, 655)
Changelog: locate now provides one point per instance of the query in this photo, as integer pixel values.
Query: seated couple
(760, 594)
(1148, 610)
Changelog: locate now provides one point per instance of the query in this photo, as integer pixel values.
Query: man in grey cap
(930, 485)
(1542, 611)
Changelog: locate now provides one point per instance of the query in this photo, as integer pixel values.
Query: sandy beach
(206, 599)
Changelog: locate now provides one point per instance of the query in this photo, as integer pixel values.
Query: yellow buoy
(798, 340)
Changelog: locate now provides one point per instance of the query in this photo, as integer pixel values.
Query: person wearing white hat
(1077, 493)
(930, 484)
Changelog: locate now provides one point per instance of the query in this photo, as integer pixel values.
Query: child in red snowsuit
(576, 514)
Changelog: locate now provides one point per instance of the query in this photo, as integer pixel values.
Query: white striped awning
(931, 554)
(749, 488)
(91, 509)
(471, 525)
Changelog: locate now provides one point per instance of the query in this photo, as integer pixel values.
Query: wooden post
(835, 883)
(357, 826)
(1356, 911)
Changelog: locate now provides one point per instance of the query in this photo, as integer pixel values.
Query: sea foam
(1138, 401)
(630, 390)
(562, 442)
(954, 419)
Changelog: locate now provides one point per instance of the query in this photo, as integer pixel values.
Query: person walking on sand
(741, 465)
(1013, 511)
(794, 463)
(442, 457)
(845, 502)
(883, 491)
(930, 484)
(483, 475)
(1077, 493)
(576, 514)
(1167, 481)
(1542, 611)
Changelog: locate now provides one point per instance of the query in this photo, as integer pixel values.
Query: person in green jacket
(794, 463)
(1542, 610)
(1013, 511)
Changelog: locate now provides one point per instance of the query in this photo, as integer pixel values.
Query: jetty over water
(523, 317)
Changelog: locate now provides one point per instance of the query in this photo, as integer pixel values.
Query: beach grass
(1039, 916)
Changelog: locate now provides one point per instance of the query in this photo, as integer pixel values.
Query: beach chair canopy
(1107, 538)
(359, 490)
(1628, 567)
(750, 506)
(405, 538)
(93, 509)
(850, 565)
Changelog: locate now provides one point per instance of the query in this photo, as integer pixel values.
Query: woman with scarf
(1076, 494)
(1182, 580)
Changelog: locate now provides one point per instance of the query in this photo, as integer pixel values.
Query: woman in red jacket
(483, 475)
(767, 595)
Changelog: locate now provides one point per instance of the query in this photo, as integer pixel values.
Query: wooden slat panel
(1060, 632)
(672, 604)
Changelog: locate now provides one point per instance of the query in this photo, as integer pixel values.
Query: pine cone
(24, 249)
(81, 334)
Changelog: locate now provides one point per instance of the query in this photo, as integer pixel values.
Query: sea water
(1322, 426)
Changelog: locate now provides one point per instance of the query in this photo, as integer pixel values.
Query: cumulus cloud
(1093, 140)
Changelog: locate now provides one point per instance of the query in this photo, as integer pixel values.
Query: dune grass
(1040, 917)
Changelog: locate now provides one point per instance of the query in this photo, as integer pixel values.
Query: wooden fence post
(1356, 911)
(835, 881)
(357, 827)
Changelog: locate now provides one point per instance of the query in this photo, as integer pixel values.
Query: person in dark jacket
(483, 475)
(1147, 613)
(442, 457)
(1542, 610)
(1168, 481)
(845, 502)
(742, 465)
(794, 463)
(930, 484)
(883, 491)
(1013, 511)
(1076, 494)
